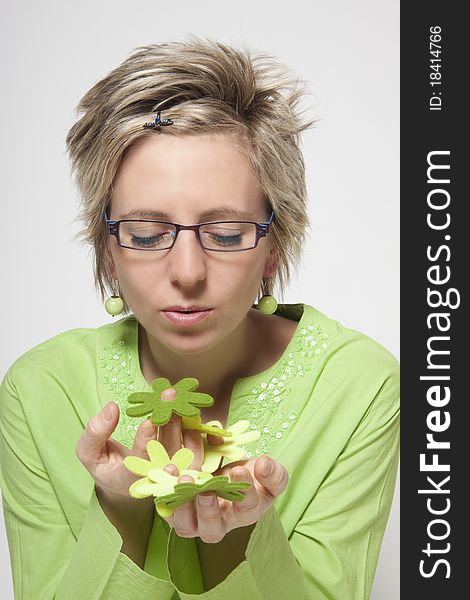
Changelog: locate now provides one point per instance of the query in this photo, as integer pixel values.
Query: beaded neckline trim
(271, 407)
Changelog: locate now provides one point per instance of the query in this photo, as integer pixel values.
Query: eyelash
(142, 241)
(226, 240)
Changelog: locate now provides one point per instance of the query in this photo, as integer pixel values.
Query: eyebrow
(143, 213)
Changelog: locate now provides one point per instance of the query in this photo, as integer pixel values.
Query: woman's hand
(104, 457)
(211, 518)
(208, 516)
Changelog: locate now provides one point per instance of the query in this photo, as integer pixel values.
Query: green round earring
(114, 305)
(267, 305)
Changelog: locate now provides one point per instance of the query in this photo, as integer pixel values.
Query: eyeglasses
(217, 236)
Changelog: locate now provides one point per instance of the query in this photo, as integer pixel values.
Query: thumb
(97, 432)
(272, 475)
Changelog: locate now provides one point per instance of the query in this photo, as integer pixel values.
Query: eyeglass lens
(226, 236)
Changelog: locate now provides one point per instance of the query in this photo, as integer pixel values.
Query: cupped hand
(211, 518)
(104, 457)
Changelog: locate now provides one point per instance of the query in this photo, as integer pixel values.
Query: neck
(216, 370)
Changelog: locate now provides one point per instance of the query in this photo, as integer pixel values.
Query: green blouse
(328, 410)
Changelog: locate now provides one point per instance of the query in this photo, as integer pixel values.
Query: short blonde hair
(205, 87)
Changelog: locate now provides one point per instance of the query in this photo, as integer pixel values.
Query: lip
(192, 308)
(186, 319)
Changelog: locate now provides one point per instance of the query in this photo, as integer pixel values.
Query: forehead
(187, 176)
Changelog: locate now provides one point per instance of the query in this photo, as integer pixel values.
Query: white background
(53, 51)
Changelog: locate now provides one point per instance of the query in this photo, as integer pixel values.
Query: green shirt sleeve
(337, 540)
(47, 561)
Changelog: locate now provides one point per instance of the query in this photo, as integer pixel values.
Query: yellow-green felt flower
(231, 446)
(155, 481)
(195, 423)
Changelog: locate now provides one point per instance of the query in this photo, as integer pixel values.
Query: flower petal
(160, 476)
(198, 476)
(158, 454)
(160, 384)
(248, 437)
(138, 466)
(164, 481)
(239, 426)
(163, 510)
(182, 459)
(199, 399)
(162, 412)
(188, 384)
(142, 488)
(190, 422)
(211, 461)
(234, 453)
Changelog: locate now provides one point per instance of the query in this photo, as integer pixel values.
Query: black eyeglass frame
(112, 227)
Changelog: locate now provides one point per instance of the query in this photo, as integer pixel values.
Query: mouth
(186, 316)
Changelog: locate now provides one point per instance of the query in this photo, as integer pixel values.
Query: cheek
(138, 278)
(242, 275)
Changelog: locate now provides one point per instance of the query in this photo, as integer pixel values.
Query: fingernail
(108, 412)
(168, 394)
(171, 469)
(267, 467)
(206, 500)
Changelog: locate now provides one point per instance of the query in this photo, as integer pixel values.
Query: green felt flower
(185, 404)
(186, 491)
(231, 448)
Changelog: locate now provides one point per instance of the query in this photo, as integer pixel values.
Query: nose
(187, 260)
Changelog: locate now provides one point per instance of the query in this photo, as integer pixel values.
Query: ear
(271, 264)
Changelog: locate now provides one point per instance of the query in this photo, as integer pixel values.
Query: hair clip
(157, 123)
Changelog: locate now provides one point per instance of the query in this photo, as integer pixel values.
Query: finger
(146, 432)
(209, 519)
(170, 434)
(168, 394)
(184, 517)
(92, 442)
(226, 469)
(171, 469)
(250, 504)
(192, 439)
(272, 475)
(215, 440)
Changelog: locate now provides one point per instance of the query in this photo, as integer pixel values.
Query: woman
(187, 158)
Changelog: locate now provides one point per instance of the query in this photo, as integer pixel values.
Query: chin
(189, 345)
